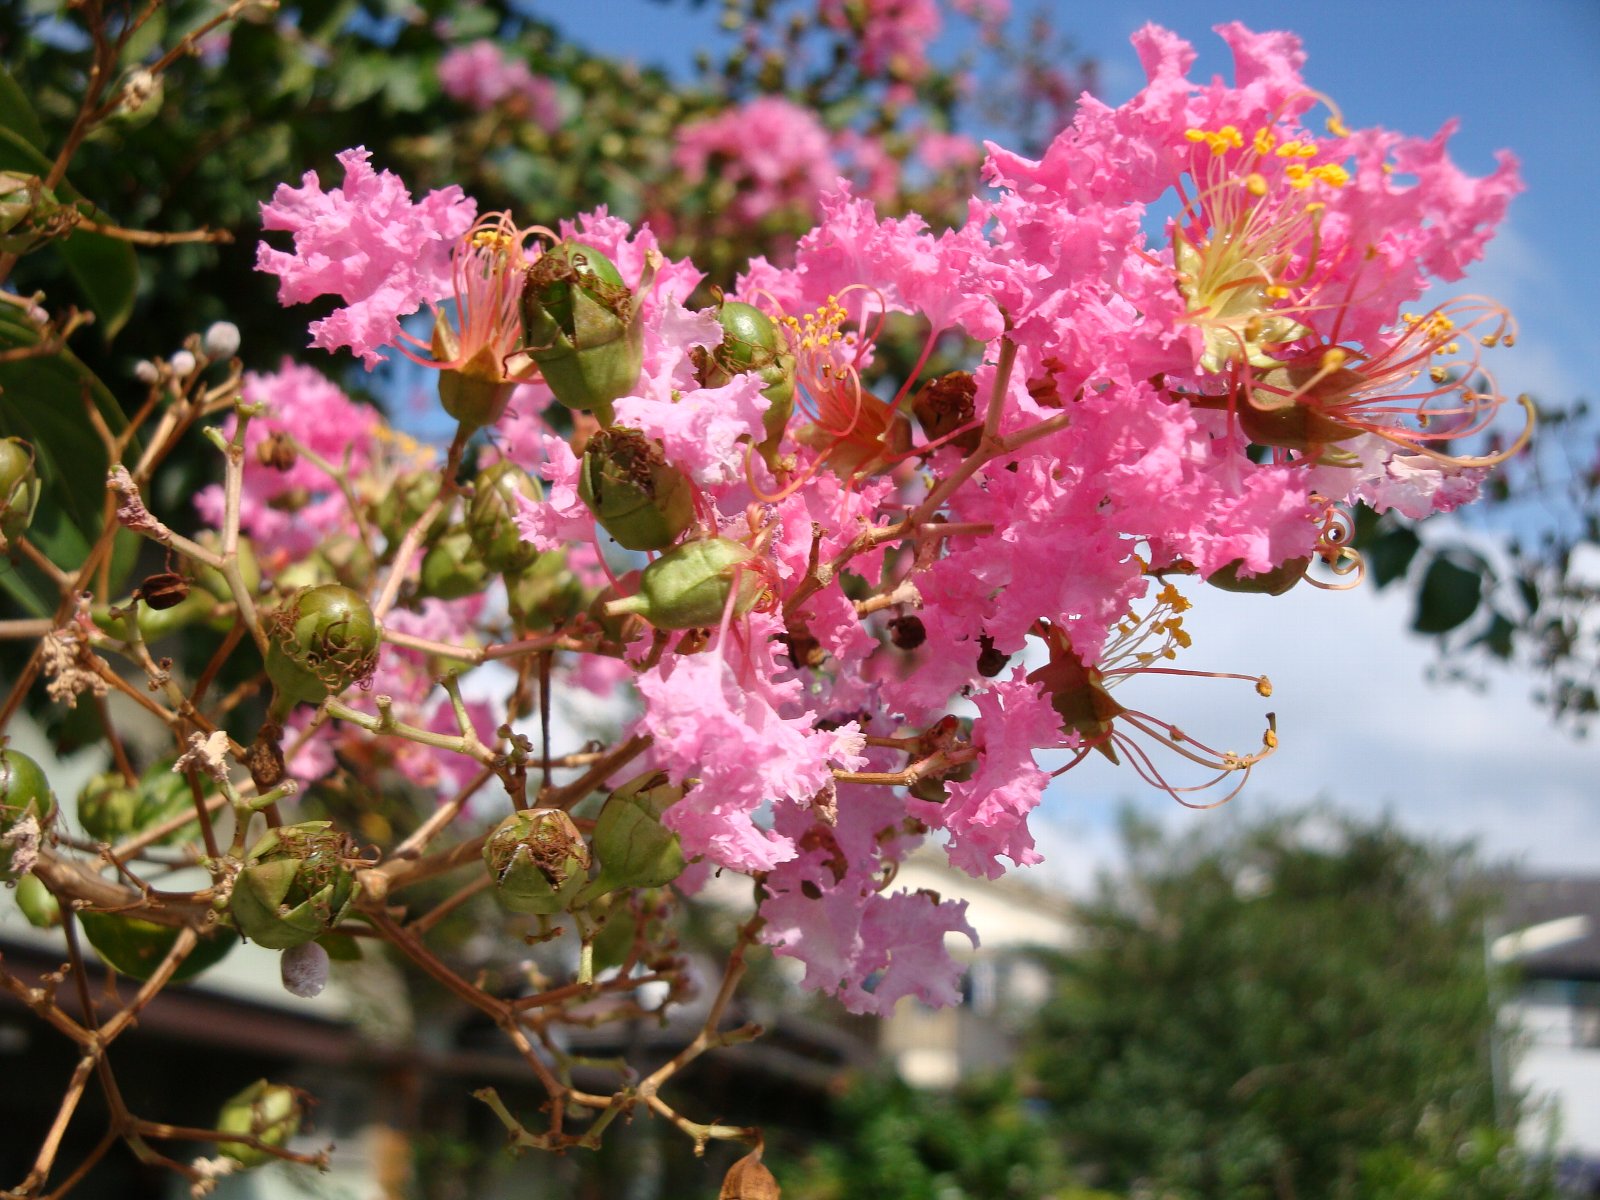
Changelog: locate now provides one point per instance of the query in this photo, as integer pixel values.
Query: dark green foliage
(1299, 1009)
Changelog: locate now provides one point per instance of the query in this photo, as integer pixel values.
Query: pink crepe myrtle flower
(891, 36)
(481, 76)
(367, 243)
(774, 156)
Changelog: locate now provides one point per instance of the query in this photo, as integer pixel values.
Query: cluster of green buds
(581, 326)
(24, 792)
(19, 489)
(537, 860)
(295, 885)
(269, 1112)
(753, 343)
(690, 586)
(110, 808)
(321, 641)
(639, 498)
(491, 518)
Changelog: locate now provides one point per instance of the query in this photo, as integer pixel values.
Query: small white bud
(305, 970)
(145, 371)
(141, 86)
(221, 340)
(182, 364)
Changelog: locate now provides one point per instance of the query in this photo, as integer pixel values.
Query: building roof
(1549, 926)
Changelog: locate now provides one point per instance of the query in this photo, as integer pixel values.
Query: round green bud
(634, 848)
(581, 327)
(403, 504)
(136, 947)
(688, 586)
(321, 641)
(296, 885)
(491, 518)
(1232, 578)
(752, 341)
(269, 1112)
(637, 496)
(19, 489)
(38, 903)
(537, 860)
(26, 207)
(452, 568)
(110, 809)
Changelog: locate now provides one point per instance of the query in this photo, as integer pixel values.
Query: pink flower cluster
(1154, 402)
(480, 76)
(775, 155)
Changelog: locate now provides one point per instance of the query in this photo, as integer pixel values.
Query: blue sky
(1362, 727)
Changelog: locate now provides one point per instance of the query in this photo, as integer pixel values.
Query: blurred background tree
(1299, 1008)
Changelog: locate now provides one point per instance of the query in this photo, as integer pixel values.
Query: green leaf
(1449, 595)
(16, 114)
(1390, 553)
(105, 269)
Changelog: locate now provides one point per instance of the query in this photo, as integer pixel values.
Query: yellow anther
(1263, 687)
(1255, 184)
(1264, 141)
(1269, 739)
(1331, 174)
(1337, 128)
(1333, 358)
(1277, 291)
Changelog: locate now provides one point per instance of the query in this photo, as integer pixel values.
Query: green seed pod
(634, 848)
(1290, 409)
(1275, 582)
(688, 586)
(538, 861)
(269, 1112)
(404, 502)
(136, 947)
(322, 640)
(581, 325)
(24, 792)
(452, 567)
(19, 489)
(295, 887)
(110, 810)
(751, 341)
(544, 595)
(637, 496)
(38, 903)
(491, 518)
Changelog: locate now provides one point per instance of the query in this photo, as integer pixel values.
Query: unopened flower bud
(295, 887)
(26, 209)
(37, 903)
(136, 947)
(639, 498)
(143, 90)
(491, 517)
(944, 405)
(751, 341)
(1274, 582)
(304, 970)
(321, 641)
(688, 587)
(182, 364)
(403, 503)
(19, 489)
(452, 568)
(581, 326)
(221, 340)
(537, 860)
(269, 1112)
(634, 848)
(146, 371)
